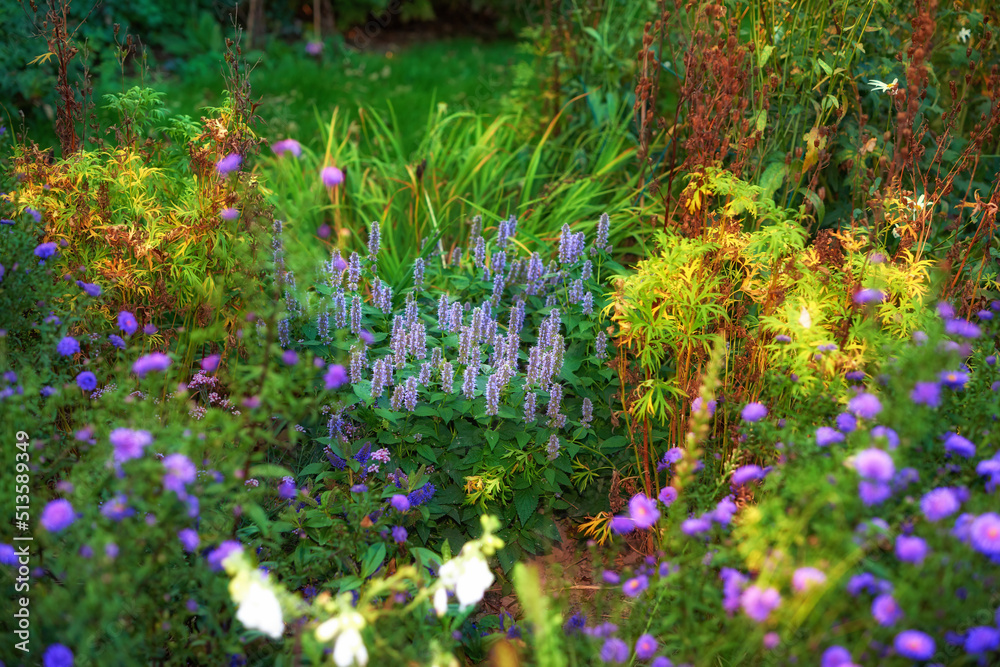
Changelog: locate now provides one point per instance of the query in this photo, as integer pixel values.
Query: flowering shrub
(879, 547)
(481, 378)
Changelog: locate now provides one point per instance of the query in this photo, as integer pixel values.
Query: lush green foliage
(316, 400)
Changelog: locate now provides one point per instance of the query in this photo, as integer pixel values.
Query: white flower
(350, 647)
(916, 205)
(882, 87)
(441, 601)
(805, 320)
(260, 610)
(468, 576)
(964, 34)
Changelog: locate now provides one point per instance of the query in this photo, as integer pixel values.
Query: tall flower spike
(373, 240)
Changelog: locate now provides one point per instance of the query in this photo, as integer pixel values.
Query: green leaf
(269, 470)
(826, 68)
(526, 502)
(492, 437)
(373, 559)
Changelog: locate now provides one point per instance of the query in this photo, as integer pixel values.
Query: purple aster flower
(697, 404)
(911, 549)
(117, 508)
(827, 436)
(45, 250)
(753, 412)
(228, 164)
(116, 341)
(891, 438)
(90, 289)
(359, 488)
(984, 533)
(635, 586)
(336, 376)
(945, 310)
(782, 338)
(724, 511)
(846, 422)
(621, 525)
(865, 581)
(914, 645)
(886, 611)
(696, 526)
(959, 445)
(57, 655)
(758, 603)
(229, 213)
(805, 578)
(668, 495)
(154, 361)
(873, 493)
(954, 379)
(57, 515)
(732, 587)
(399, 534)
(111, 550)
(645, 647)
(984, 315)
(400, 503)
(180, 472)
(874, 464)
(189, 539)
(314, 48)
(836, 656)
(127, 322)
(129, 444)
(962, 328)
(86, 381)
(8, 556)
(864, 406)
(855, 376)
(643, 511)
(869, 295)
(926, 393)
(221, 553)
(210, 363)
(745, 474)
(611, 577)
(614, 650)
(287, 146)
(331, 177)
(982, 639)
(939, 503)
(68, 346)
(289, 357)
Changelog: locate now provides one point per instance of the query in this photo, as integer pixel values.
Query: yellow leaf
(42, 58)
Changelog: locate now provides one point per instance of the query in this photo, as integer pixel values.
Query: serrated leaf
(526, 502)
